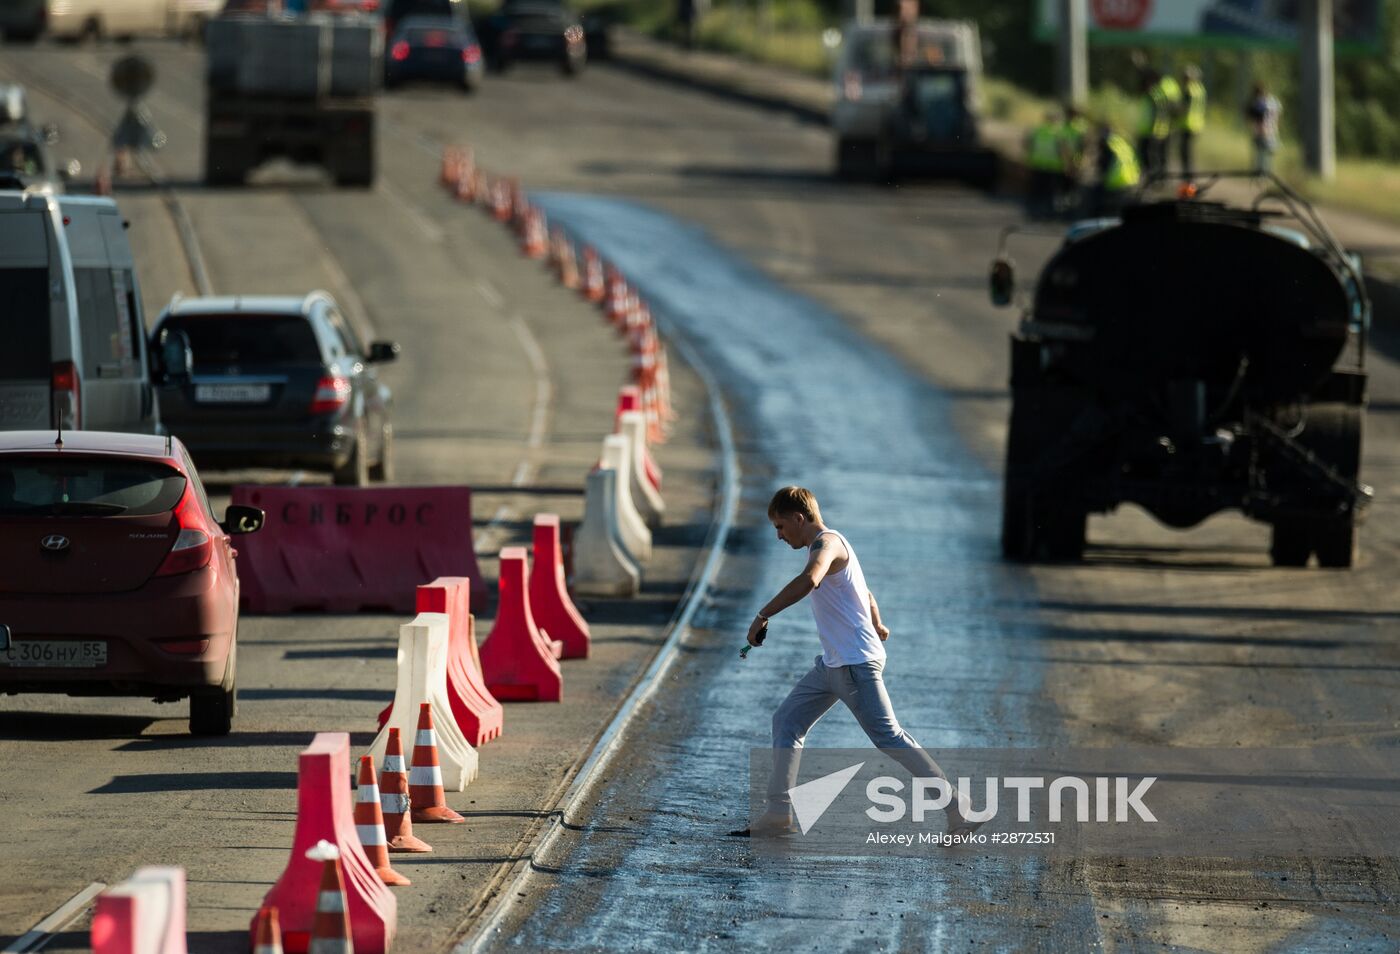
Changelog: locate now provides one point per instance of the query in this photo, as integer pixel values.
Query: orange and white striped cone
(451, 159)
(663, 385)
(568, 263)
(369, 825)
(426, 798)
(593, 287)
(394, 800)
(465, 186)
(615, 305)
(519, 206)
(500, 201)
(269, 934)
(536, 242)
(330, 930)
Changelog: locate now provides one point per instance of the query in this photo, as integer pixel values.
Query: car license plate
(232, 393)
(539, 42)
(55, 654)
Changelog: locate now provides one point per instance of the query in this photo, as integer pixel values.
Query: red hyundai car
(116, 579)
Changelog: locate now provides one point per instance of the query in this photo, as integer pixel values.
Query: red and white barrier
(324, 814)
(422, 678)
(617, 456)
(550, 604)
(647, 497)
(602, 565)
(145, 914)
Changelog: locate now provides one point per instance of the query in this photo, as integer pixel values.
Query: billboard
(1239, 23)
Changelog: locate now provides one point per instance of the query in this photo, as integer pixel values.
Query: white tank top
(841, 607)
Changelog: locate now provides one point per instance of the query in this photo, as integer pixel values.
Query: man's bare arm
(819, 560)
(880, 627)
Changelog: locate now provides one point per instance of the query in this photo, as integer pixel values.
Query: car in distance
(116, 579)
(26, 163)
(279, 381)
(535, 30)
(434, 48)
(23, 20)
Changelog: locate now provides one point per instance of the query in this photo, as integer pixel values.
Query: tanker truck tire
(1336, 546)
(1291, 544)
(1058, 533)
(1015, 524)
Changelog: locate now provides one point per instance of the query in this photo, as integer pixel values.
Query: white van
(76, 353)
(76, 19)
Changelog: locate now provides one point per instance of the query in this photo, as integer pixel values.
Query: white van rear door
(26, 361)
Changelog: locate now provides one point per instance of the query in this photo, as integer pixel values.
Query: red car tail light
(332, 394)
(471, 54)
(193, 547)
(400, 51)
(183, 646)
(64, 390)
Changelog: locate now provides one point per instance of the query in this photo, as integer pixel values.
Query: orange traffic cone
(535, 242)
(451, 163)
(330, 931)
(565, 262)
(615, 305)
(393, 798)
(466, 181)
(426, 798)
(593, 287)
(500, 201)
(518, 205)
(369, 825)
(269, 936)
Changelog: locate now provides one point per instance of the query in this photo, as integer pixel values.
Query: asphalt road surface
(850, 330)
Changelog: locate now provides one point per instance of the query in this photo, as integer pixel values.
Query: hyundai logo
(54, 541)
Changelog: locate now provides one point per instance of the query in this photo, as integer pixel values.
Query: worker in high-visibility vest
(1158, 111)
(1192, 118)
(1118, 171)
(1075, 132)
(1169, 91)
(1046, 162)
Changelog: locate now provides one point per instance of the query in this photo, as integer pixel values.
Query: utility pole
(1318, 100)
(1072, 56)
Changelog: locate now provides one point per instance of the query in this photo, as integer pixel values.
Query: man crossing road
(850, 668)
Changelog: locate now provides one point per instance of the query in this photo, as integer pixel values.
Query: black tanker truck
(1190, 356)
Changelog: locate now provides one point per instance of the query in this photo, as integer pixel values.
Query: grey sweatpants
(862, 688)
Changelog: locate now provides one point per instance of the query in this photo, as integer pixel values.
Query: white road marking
(488, 291)
(37, 936)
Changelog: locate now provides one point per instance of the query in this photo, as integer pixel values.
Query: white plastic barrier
(602, 566)
(617, 455)
(422, 663)
(633, 426)
(145, 914)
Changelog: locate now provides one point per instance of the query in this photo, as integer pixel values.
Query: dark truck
(1190, 357)
(299, 87)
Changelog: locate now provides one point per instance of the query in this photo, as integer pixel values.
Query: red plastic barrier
(478, 713)
(145, 914)
(516, 659)
(550, 604)
(346, 549)
(324, 812)
(629, 398)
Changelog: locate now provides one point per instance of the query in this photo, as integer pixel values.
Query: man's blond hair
(791, 500)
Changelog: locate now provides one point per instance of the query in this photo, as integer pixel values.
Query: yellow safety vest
(1073, 135)
(1043, 150)
(1124, 172)
(1193, 118)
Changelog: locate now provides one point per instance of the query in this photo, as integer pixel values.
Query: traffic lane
(654, 864)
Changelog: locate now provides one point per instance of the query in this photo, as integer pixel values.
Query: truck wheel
(1336, 546)
(357, 175)
(1291, 544)
(1059, 532)
(223, 165)
(1016, 542)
